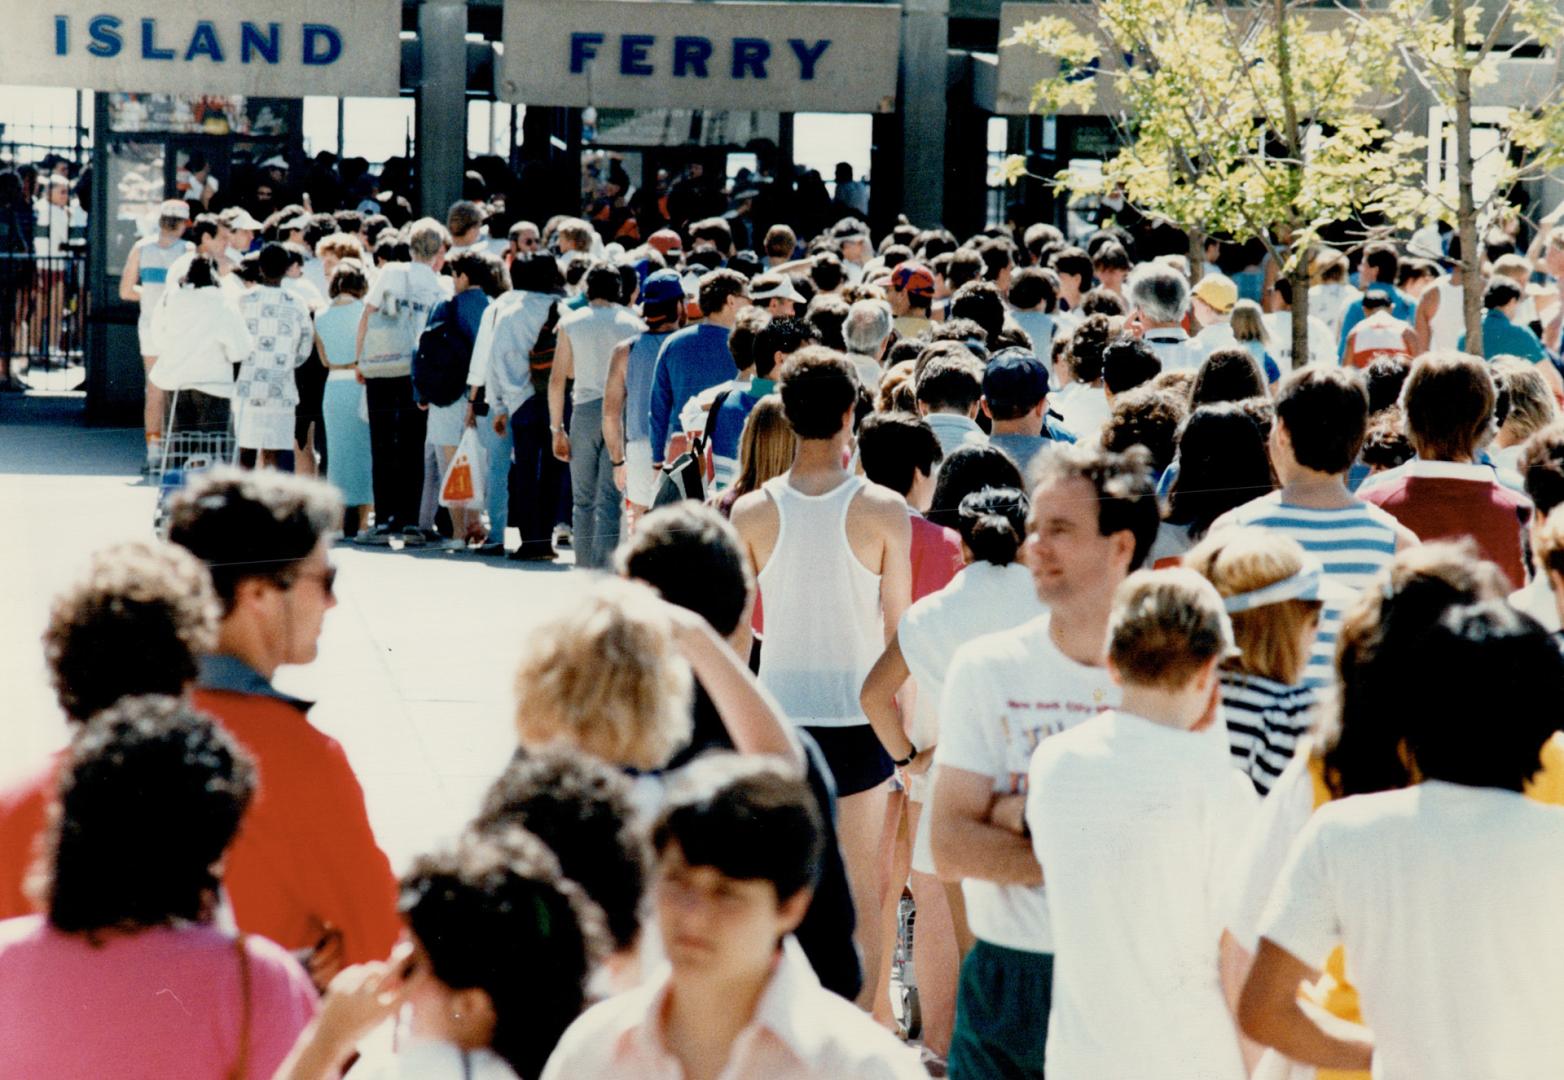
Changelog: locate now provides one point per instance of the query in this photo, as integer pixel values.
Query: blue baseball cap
(1014, 381)
(663, 287)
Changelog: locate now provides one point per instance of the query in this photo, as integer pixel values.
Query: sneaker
(564, 537)
(413, 536)
(533, 552)
(379, 536)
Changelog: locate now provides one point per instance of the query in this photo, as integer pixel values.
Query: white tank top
(824, 630)
(1448, 323)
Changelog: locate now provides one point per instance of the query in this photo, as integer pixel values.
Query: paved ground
(415, 662)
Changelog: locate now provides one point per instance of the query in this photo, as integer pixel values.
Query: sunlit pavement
(415, 663)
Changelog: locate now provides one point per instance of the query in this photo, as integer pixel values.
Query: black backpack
(443, 356)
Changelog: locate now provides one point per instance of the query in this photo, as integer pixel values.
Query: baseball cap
(299, 222)
(1217, 290)
(662, 287)
(665, 240)
(173, 208)
(239, 218)
(773, 287)
(914, 278)
(1014, 381)
(276, 161)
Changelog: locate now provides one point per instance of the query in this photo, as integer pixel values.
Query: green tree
(1243, 120)
(1451, 47)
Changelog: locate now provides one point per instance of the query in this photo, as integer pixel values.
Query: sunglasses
(327, 578)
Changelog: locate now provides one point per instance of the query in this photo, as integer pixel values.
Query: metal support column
(920, 108)
(441, 105)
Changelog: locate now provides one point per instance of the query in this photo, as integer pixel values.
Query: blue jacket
(693, 359)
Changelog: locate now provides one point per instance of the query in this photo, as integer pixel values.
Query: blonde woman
(1248, 326)
(1531, 408)
(1271, 588)
(765, 450)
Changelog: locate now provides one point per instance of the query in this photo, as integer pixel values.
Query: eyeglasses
(327, 578)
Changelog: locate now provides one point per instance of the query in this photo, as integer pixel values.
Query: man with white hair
(1159, 299)
(866, 331)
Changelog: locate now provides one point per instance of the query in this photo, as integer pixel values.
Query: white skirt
(446, 422)
(264, 428)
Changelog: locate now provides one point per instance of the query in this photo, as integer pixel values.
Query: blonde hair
(766, 445)
(1271, 639)
(342, 245)
(1165, 626)
(426, 238)
(605, 676)
(1531, 402)
(1247, 324)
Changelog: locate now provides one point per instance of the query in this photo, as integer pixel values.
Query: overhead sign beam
(741, 56)
(283, 48)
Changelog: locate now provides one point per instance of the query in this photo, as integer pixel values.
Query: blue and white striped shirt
(1353, 543)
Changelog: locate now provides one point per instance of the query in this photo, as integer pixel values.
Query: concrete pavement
(415, 661)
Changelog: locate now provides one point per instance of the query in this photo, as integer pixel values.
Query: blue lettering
(808, 57)
(104, 32)
(689, 57)
(62, 30)
(322, 44)
(583, 47)
(203, 42)
(251, 42)
(632, 54)
(149, 49)
(750, 54)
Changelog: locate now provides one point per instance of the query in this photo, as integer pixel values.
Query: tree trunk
(1466, 211)
(1197, 254)
(1298, 276)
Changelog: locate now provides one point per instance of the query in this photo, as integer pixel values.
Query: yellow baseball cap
(1218, 291)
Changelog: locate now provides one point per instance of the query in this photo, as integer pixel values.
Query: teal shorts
(1001, 1014)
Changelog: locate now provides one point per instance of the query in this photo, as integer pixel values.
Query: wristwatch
(904, 762)
(616, 464)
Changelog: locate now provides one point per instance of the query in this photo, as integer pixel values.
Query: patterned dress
(265, 394)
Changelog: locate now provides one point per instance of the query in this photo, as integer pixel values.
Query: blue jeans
(497, 449)
(595, 499)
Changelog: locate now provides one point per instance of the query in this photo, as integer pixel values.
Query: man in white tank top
(1440, 320)
(831, 552)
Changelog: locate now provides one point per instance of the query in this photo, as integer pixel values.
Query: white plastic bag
(462, 486)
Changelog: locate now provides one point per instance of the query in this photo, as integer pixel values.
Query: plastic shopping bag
(463, 483)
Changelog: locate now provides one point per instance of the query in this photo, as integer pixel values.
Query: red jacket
(305, 856)
(1446, 500)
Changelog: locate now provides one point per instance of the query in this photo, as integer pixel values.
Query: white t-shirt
(1281, 817)
(1004, 694)
(1137, 826)
(1450, 903)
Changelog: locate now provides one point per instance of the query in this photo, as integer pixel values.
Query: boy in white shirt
(1134, 821)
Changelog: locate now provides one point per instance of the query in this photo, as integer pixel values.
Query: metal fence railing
(43, 319)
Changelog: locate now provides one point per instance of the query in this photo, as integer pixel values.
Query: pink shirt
(151, 1005)
(800, 1031)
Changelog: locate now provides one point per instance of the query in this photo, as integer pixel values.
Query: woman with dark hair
(993, 592)
(1448, 889)
(1081, 399)
(127, 974)
(511, 360)
(1227, 375)
(1360, 740)
(1222, 463)
(201, 339)
(965, 470)
(493, 969)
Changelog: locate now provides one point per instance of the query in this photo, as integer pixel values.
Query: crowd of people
(1038, 588)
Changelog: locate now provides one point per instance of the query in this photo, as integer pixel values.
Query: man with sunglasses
(305, 870)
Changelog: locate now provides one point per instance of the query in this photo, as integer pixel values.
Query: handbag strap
(241, 1067)
(703, 440)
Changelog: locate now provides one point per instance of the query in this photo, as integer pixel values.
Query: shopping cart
(187, 453)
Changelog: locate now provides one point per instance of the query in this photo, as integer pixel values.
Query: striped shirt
(1265, 719)
(1353, 543)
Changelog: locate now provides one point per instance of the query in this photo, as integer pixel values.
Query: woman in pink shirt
(126, 974)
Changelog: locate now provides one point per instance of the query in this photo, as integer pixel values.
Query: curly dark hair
(134, 623)
(151, 795)
(493, 913)
(581, 809)
(1145, 417)
(252, 523)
